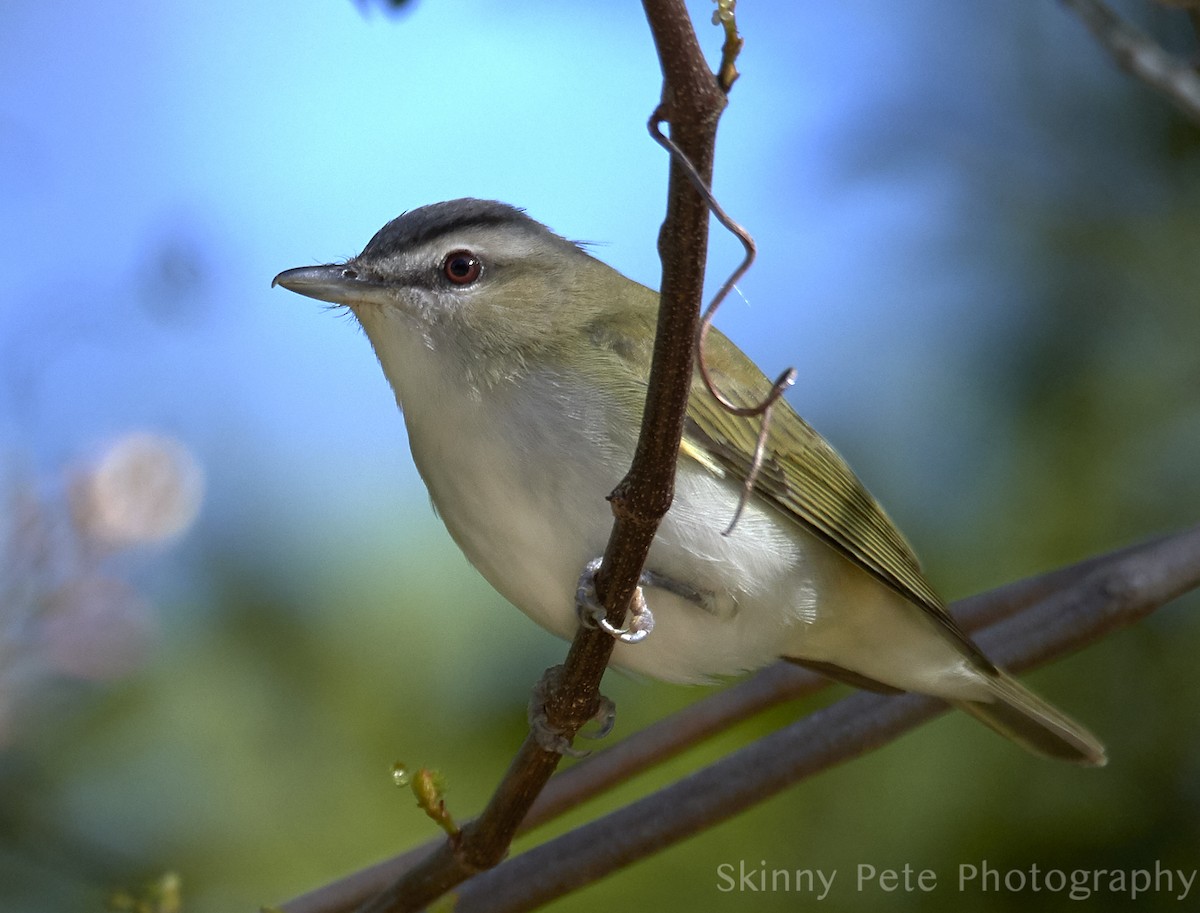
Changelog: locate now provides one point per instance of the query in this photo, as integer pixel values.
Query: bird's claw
(606, 716)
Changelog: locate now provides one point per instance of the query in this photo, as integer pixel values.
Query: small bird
(520, 363)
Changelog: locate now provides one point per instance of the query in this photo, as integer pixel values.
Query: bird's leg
(700, 598)
(549, 736)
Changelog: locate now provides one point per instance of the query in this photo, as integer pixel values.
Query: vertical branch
(692, 101)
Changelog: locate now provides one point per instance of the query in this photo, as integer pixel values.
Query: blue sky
(159, 166)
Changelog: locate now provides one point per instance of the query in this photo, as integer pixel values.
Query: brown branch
(1111, 594)
(1131, 581)
(692, 102)
(1140, 56)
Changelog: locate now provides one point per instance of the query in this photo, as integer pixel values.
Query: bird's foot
(550, 737)
(593, 615)
(702, 599)
(641, 621)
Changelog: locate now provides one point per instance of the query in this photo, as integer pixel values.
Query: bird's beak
(337, 284)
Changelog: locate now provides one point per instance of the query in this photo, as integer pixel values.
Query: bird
(520, 364)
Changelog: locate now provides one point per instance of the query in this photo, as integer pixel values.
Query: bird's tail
(1018, 714)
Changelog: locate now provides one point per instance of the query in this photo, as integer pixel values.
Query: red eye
(461, 267)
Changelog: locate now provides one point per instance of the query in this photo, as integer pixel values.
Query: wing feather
(805, 478)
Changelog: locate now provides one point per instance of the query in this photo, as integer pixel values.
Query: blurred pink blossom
(145, 488)
(96, 628)
(63, 609)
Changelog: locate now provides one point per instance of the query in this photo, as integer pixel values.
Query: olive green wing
(802, 476)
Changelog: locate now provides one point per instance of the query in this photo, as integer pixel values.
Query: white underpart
(519, 477)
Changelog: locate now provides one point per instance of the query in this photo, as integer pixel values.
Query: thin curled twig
(786, 379)
(640, 500)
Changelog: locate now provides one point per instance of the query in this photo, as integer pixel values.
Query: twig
(1140, 56)
(726, 17)
(785, 380)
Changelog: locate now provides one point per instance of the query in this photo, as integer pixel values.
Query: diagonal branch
(1028, 622)
(1140, 56)
(1106, 595)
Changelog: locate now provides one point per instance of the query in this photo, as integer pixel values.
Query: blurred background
(226, 608)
